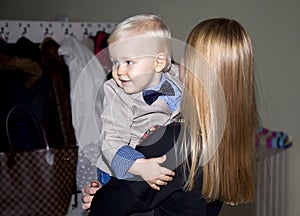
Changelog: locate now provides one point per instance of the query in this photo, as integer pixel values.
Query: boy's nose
(121, 70)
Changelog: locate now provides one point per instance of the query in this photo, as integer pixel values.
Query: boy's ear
(160, 62)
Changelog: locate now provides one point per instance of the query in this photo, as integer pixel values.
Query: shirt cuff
(103, 177)
(123, 160)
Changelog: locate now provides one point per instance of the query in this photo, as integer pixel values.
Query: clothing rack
(36, 31)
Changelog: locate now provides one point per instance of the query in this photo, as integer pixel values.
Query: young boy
(145, 91)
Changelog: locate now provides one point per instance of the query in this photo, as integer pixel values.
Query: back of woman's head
(222, 47)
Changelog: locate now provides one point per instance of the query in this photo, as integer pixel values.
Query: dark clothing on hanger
(33, 74)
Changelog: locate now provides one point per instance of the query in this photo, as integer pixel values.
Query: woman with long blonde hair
(223, 120)
(214, 139)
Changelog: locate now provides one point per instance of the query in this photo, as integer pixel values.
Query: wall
(273, 26)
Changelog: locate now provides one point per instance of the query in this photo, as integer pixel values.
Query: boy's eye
(129, 62)
(115, 63)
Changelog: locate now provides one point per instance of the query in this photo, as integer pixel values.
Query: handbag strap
(48, 155)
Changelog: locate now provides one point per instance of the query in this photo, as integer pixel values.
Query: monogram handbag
(37, 181)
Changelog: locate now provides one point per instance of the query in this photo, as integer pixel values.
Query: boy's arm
(116, 119)
(129, 162)
(152, 172)
(123, 160)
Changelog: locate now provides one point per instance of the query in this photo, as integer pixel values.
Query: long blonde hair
(223, 47)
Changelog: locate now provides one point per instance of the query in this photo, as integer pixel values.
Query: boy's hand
(151, 171)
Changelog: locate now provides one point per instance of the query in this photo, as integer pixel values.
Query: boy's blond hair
(144, 25)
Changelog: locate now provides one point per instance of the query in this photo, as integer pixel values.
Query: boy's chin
(130, 91)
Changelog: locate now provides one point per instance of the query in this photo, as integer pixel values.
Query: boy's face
(134, 74)
(134, 68)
